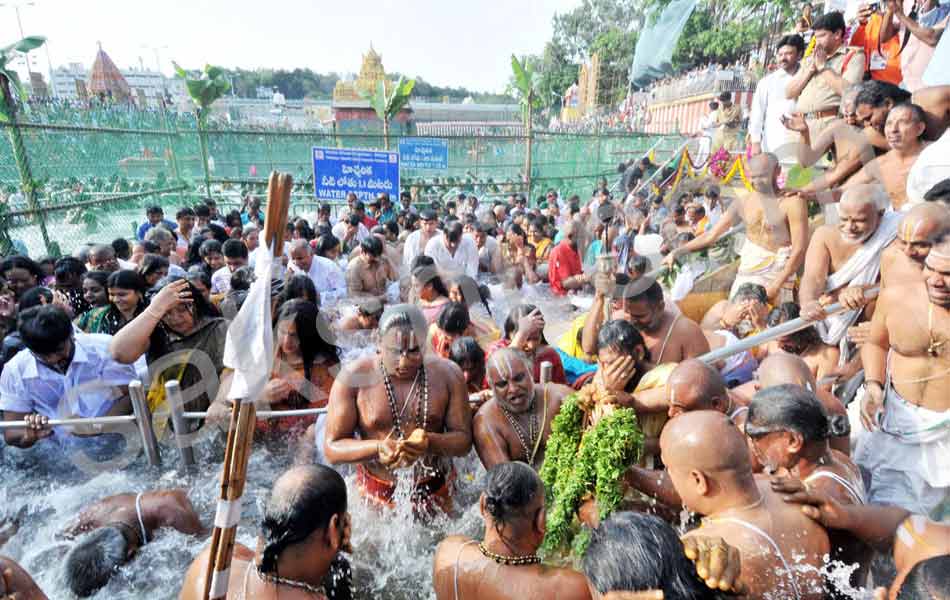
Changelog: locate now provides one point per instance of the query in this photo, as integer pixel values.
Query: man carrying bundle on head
(400, 409)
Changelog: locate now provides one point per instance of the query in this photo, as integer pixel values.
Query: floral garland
(577, 463)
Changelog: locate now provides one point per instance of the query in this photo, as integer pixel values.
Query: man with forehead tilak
(903, 261)
(515, 423)
(400, 409)
(906, 406)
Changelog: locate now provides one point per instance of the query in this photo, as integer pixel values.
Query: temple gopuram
(581, 98)
(352, 111)
(105, 80)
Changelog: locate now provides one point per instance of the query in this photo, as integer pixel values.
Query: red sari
(544, 353)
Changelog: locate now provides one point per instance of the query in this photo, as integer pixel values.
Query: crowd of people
(827, 445)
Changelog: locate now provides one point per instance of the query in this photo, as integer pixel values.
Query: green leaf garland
(576, 463)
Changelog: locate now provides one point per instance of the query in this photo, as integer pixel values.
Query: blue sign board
(424, 153)
(367, 173)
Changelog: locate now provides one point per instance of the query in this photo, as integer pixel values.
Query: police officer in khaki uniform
(826, 74)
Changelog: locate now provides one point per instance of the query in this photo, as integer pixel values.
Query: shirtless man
(369, 273)
(397, 409)
(907, 363)
(505, 565)
(670, 338)
(776, 230)
(844, 260)
(116, 527)
(903, 261)
(787, 369)
(708, 462)
(904, 131)
(788, 433)
(16, 583)
(935, 101)
(515, 424)
(304, 528)
(367, 315)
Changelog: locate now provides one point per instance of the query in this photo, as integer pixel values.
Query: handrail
(773, 333)
(114, 420)
(660, 168)
(659, 139)
(729, 233)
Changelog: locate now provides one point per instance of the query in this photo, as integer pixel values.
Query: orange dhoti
(428, 494)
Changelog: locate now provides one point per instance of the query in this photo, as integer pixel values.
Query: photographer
(920, 30)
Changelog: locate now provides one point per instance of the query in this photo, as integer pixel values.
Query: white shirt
(413, 248)
(768, 105)
(29, 386)
(464, 261)
(487, 253)
(327, 277)
(221, 280)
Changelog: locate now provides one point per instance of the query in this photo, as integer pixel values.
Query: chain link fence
(95, 171)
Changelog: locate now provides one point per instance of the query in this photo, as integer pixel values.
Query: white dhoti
(761, 266)
(908, 458)
(862, 269)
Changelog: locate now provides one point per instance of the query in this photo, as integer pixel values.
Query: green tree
(204, 91)
(388, 105)
(12, 91)
(527, 89)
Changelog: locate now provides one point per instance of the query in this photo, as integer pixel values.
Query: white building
(151, 83)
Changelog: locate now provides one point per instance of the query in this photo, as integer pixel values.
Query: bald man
(907, 363)
(844, 260)
(515, 423)
(782, 549)
(781, 368)
(902, 262)
(327, 276)
(904, 130)
(776, 230)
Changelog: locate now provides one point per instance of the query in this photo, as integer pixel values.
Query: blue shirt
(144, 227)
(85, 390)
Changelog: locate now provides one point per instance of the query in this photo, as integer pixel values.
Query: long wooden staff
(242, 423)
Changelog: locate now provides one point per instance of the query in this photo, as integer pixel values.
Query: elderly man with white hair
(327, 276)
(844, 260)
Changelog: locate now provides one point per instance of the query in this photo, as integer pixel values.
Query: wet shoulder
(444, 368)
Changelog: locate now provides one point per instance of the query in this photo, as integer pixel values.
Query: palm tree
(526, 86)
(204, 91)
(11, 89)
(387, 106)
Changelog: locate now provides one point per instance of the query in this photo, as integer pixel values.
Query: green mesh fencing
(97, 170)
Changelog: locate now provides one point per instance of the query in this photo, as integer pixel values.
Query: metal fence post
(175, 402)
(143, 418)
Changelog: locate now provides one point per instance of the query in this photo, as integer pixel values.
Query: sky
(446, 42)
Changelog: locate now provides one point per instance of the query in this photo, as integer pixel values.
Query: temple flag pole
(250, 352)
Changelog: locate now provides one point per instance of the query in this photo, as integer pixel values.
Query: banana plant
(204, 91)
(12, 91)
(387, 106)
(526, 85)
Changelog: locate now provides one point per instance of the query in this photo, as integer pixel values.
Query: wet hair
(199, 272)
(633, 552)
(242, 278)
(200, 309)
(471, 291)
(940, 192)
(325, 243)
(43, 329)
(126, 279)
(353, 220)
(152, 263)
(290, 518)
(453, 231)
(406, 317)
(790, 407)
(833, 22)
(620, 335)
(928, 580)
(218, 232)
(234, 249)
(22, 262)
(915, 110)
(511, 322)
(122, 248)
(466, 349)
(643, 289)
(96, 556)
(209, 246)
(751, 291)
(299, 286)
(313, 342)
(454, 318)
(875, 93)
(638, 264)
(786, 312)
(509, 488)
(427, 273)
(372, 246)
(794, 40)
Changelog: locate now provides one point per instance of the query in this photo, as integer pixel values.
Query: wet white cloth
(412, 248)
(861, 269)
(930, 168)
(327, 276)
(686, 278)
(761, 266)
(909, 457)
(463, 262)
